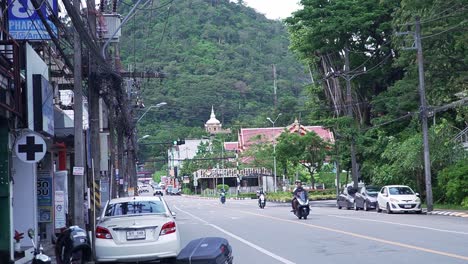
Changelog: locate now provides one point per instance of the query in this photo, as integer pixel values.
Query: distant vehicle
(346, 197)
(175, 191)
(145, 189)
(158, 191)
(366, 198)
(398, 198)
(169, 189)
(136, 229)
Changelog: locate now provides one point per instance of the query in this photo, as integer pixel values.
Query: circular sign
(30, 148)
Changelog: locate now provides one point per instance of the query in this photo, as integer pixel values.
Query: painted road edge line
(400, 224)
(384, 241)
(248, 243)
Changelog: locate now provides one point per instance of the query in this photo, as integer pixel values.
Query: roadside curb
(448, 213)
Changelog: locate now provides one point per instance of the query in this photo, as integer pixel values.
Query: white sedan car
(134, 229)
(398, 198)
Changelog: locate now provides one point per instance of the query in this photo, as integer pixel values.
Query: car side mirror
(417, 194)
(386, 195)
(173, 214)
(98, 218)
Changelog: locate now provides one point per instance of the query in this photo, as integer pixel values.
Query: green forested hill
(214, 53)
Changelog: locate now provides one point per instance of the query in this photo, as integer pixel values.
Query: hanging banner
(25, 23)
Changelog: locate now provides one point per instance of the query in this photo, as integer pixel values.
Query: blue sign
(24, 21)
(44, 190)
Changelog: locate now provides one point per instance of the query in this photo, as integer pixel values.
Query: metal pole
(274, 166)
(422, 92)
(78, 208)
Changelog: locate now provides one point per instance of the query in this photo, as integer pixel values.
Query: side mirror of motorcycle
(30, 233)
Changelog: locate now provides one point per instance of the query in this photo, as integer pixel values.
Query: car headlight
(393, 200)
(418, 200)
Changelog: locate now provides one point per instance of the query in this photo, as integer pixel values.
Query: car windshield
(400, 191)
(372, 191)
(135, 208)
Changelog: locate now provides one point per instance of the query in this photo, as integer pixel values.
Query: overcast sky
(274, 9)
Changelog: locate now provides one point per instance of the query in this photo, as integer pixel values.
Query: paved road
(274, 235)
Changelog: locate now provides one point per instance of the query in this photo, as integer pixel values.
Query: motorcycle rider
(297, 191)
(259, 193)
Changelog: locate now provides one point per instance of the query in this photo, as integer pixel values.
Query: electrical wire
(444, 31)
(148, 9)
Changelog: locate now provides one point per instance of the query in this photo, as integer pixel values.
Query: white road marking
(250, 244)
(400, 224)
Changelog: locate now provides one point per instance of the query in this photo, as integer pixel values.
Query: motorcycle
(261, 201)
(223, 197)
(303, 207)
(73, 247)
(39, 257)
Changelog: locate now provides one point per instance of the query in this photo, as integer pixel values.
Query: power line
(441, 32)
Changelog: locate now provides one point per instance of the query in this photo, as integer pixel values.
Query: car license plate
(407, 205)
(136, 234)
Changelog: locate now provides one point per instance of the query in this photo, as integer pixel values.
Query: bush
(219, 187)
(322, 192)
(247, 195)
(454, 179)
(186, 191)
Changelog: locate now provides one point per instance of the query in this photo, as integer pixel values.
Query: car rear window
(135, 208)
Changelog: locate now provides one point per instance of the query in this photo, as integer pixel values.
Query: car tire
(389, 211)
(419, 212)
(355, 206)
(377, 208)
(365, 206)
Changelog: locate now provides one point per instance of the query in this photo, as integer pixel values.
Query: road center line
(400, 224)
(250, 244)
(362, 236)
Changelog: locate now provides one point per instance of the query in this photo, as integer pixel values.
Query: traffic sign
(30, 148)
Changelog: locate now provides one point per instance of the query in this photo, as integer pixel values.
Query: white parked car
(398, 198)
(134, 229)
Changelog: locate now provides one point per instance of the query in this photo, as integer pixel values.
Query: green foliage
(219, 187)
(187, 191)
(213, 54)
(454, 179)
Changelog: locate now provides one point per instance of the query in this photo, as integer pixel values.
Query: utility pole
(422, 94)
(274, 86)
(350, 114)
(78, 203)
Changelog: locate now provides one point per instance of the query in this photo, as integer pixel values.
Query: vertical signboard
(24, 21)
(43, 105)
(44, 196)
(60, 220)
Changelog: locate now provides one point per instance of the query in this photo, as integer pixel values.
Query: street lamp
(274, 153)
(152, 106)
(143, 137)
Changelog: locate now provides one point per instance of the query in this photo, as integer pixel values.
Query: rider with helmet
(297, 191)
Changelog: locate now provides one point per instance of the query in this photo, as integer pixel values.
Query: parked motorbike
(261, 201)
(39, 257)
(73, 247)
(303, 207)
(223, 197)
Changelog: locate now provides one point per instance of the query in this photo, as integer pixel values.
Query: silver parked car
(136, 229)
(366, 198)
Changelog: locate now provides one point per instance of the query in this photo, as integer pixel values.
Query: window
(135, 208)
(401, 191)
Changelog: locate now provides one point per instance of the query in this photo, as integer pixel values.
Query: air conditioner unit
(111, 23)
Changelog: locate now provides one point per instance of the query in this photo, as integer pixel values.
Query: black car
(158, 191)
(346, 197)
(366, 198)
